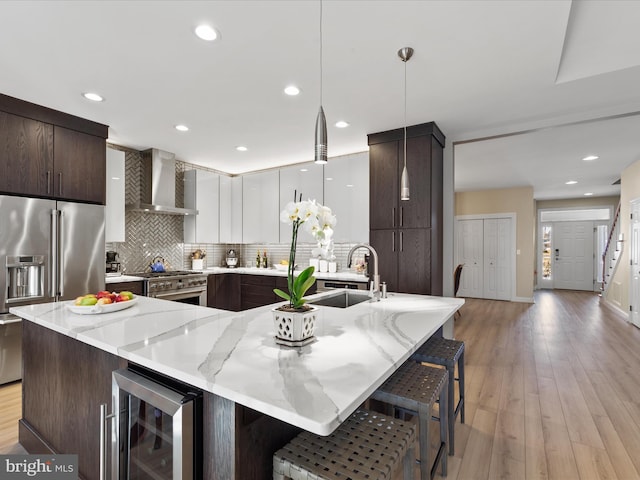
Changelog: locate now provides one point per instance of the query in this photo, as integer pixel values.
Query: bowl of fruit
(102, 302)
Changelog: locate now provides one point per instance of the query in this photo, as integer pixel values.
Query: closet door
(497, 258)
(470, 251)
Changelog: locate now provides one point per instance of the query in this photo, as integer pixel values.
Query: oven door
(192, 296)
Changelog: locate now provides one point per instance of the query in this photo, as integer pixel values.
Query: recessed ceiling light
(182, 128)
(329, 179)
(349, 185)
(342, 124)
(94, 97)
(241, 148)
(304, 169)
(292, 90)
(588, 194)
(206, 32)
(571, 182)
(590, 157)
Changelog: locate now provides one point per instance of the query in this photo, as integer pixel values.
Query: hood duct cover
(158, 185)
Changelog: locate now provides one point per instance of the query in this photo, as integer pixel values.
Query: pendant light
(321, 121)
(405, 54)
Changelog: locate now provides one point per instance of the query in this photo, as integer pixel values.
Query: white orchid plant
(317, 219)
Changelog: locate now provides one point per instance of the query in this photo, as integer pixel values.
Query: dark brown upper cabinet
(51, 154)
(80, 163)
(26, 155)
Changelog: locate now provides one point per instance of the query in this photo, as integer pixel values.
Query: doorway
(570, 248)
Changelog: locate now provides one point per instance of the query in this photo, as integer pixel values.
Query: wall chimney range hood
(158, 185)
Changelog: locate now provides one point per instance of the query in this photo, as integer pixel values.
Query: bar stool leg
(452, 406)
(424, 417)
(461, 384)
(408, 463)
(443, 413)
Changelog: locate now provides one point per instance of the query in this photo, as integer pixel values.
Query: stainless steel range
(178, 285)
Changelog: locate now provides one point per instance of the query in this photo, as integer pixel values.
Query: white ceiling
(480, 68)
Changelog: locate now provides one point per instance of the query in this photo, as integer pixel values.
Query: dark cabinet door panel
(223, 291)
(26, 156)
(385, 244)
(80, 166)
(384, 187)
(416, 212)
(414, 261)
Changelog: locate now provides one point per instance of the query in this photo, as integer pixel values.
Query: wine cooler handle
(104, 418)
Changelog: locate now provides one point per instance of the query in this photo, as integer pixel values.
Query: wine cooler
(158, 427)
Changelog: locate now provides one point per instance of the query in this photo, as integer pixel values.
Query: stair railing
(613, 234)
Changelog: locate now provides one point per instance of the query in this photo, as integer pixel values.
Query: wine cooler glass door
(154, 430)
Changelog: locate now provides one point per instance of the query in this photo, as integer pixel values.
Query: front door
(573, 255)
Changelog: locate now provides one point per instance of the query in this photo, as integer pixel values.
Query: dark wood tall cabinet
(407, 234)
(50, 154)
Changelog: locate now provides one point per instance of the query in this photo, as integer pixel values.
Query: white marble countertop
(121, 278)
(234, 355)
(345, 276)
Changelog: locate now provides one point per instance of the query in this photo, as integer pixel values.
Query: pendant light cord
(320, 52)
(405, 113)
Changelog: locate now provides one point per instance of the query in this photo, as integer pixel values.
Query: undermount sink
(342, 299)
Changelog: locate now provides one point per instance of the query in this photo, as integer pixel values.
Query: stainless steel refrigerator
(49, 251)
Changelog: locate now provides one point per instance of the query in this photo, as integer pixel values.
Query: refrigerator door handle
(53, 257)
(60, 256)
(55, 253)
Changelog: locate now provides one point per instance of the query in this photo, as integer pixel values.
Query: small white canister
(197, 264)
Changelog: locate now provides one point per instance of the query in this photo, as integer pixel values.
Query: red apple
(103, 293)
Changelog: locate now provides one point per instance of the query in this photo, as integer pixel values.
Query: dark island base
(65, 381)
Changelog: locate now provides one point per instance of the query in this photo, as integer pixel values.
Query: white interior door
(497, 258)
(503, 259)
(634, 294)
(573, 255)
(469, 239)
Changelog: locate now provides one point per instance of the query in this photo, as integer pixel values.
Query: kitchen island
(257, 394)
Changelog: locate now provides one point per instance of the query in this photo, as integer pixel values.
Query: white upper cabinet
(114, 207)
(260, 207)
(230, 209)
(303, 179)
(202, 192)
(346, 193)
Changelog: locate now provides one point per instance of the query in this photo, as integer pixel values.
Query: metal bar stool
(366, 446)
(415, 388)
(446, 352)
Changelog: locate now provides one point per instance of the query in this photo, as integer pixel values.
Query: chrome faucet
(376, 277)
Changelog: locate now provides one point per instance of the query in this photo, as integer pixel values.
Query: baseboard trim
(31, 441)
(523, 299)
(615, 308)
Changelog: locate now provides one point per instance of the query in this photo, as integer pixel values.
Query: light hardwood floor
(10, 412)
(553, 392)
